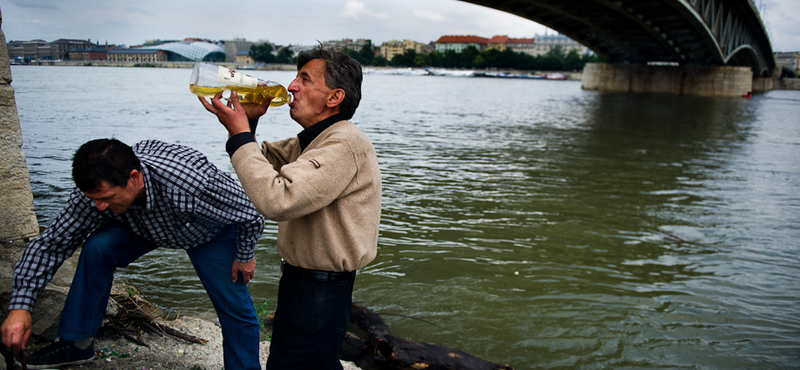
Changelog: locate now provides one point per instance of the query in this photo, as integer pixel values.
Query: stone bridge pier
(680, 80)
(17, 219)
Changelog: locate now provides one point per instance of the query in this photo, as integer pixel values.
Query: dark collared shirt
(187, 202)
(306, 136)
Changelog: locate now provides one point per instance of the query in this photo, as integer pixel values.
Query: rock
(47, 310)
(17, 221)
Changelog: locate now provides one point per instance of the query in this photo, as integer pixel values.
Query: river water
(527, 222)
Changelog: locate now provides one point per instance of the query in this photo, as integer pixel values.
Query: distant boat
(450, 72)
(460, 73)
(396, 71)
(508, 75)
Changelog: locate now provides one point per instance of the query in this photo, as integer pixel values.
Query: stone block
(17, 221)
(690, 80)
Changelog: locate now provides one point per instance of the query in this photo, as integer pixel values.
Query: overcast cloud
(298, 22)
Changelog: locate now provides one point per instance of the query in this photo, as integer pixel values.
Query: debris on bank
(401, 354)
(138, 335)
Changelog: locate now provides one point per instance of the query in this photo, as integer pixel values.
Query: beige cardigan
(327, 199)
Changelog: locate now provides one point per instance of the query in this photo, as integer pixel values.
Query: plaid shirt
(188, 201)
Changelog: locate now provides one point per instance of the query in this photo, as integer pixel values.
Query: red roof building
(526, 46)
(534, 46)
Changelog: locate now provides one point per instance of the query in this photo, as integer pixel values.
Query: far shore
(186, 64)
(786, 83)
(575, 76)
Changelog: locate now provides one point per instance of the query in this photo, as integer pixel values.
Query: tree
(508, 58)
(285, 55)
(478, 62)
(367, 54)
(420, 61)
(468, 56)
(262, 53)
(556, 59)
(353, 54)
(573, 61)
(406, 59)
(435, 59)
(451, 59)
(380, 61)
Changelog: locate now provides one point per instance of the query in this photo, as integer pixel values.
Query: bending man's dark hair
(341, 72)
(100, 160)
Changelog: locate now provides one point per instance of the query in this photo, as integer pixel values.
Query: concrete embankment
(790, 84)
(187, 64)
(569, 75)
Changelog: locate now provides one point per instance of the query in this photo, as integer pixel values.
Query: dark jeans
(113, 246)
(311, 319)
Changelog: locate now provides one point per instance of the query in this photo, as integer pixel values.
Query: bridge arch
(745, 55)
(687, 32)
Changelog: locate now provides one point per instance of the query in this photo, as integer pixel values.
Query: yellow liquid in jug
(248, 95)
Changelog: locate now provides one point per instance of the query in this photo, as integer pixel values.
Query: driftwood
(403, 354)
(397, 353)
(136, 315)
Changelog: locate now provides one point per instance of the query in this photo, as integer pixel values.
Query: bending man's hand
(247, 269)
(17, 329)
(235, 116)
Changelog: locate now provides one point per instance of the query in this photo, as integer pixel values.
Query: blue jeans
(113, 246)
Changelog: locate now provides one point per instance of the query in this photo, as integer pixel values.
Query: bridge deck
(688, 32)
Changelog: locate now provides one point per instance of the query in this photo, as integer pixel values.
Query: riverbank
(116, 352)
(166, 352)
(119, 344)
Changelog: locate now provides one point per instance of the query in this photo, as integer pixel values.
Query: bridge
(641, 32)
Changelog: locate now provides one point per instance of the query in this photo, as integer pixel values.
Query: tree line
(469, 58)
(262, 53)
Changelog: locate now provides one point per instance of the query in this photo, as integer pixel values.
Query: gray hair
(341, 72)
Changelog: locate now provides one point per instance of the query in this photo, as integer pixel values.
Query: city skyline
(292, 23)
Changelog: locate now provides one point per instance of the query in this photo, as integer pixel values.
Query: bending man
(128, 202)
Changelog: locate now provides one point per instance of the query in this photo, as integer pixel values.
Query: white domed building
(193, 51)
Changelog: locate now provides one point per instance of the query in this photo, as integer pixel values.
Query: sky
(298, 22)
